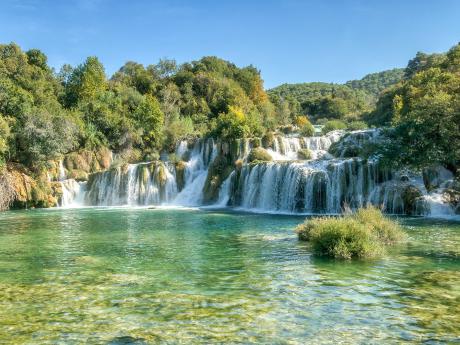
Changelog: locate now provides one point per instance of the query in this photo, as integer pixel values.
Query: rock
(304, 154)
(218, 171)
(268, 139)
(256, 142)
(127, 340)
(85, 161)
(31, 192)
(452, 197)
(259, 154)
(78, 175)
(180, 175)
(404, 178)
(434, 176)
(411, 196)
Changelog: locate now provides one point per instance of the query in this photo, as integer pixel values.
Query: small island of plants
(362, 234)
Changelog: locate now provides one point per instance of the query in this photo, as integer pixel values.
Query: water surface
(143, 276)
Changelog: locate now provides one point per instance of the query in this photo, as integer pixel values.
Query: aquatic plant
(259, 154)
(362, 234)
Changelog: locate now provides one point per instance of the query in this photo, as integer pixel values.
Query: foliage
(333, 125)
(259, 154)
(305, 126)
(145, 108)
(363, 234)
(375, 83)
(425, 113)
(357, 125)
(232, 125)
(323, 100)
(5, 133)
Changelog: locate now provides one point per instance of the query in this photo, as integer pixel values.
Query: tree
(5, 133)
(86, 82)
(37, 58)
(40, 138)
(426, 117)
(232, 125)
(150, 118)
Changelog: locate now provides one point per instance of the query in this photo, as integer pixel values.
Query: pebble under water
(146, 276)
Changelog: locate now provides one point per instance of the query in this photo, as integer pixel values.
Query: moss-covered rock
(85, 161)
(78, 175)
(411, 196)
(180, 175)
(255, 142)
(218, 171)
(161, 177)
(452, 197)
(31, 192)
(268, 140)
(259, 154)
(304, 154)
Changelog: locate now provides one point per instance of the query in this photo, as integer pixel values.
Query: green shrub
(363, 234)
(304, 154)
(333, 125)
(307, 130)
(357, 125)
(259, 154)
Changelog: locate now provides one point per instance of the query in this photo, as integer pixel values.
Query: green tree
(86, 82)
(232, 125)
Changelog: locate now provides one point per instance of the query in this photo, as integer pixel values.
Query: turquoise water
(143, 276)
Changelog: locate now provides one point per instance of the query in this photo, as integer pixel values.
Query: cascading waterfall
(196, 171)
(325, 184)
(313, 187)
(133, 185)
(70, 188)
(152, 183)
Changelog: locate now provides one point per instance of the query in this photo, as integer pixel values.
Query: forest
(142, 111)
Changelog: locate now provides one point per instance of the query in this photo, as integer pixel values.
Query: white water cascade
(71, 189)
(333, 179)
(196, 171)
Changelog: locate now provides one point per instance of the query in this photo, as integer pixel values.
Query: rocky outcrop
(435, 176)
(79, 165)
(32, 191)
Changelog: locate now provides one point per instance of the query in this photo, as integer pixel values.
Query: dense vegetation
(325, 101)
(141, 110)
(363, 234)
(375, 83)
(424, 113)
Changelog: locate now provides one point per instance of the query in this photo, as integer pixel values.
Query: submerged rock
(127, 340)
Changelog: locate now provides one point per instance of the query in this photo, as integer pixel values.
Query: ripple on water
(133, 276)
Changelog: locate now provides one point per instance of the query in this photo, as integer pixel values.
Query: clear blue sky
(289, 41)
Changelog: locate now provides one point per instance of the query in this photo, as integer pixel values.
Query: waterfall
(225, 192)
(325, 184)
(314, 187)
(70, 189)
(133, 185)
(196, 171)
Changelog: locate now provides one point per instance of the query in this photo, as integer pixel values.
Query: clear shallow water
(117, 276)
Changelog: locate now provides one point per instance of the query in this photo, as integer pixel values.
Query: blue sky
(289, 41)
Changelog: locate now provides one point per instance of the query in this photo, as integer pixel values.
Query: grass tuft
(363, 234)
